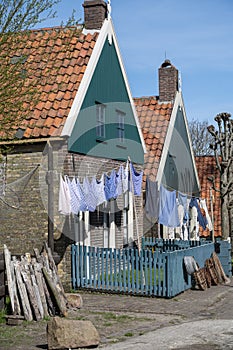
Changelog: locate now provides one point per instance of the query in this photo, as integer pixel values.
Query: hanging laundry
(152, 198)
(136, 180)
(110, 187)
(200, 217)
(64, 206)
(179, 229)
(83, 205)
(168, 212)
(194, 224)
(204, 206)
(125, 178)
(75, 196)
(97, 187)
(89, 196)
(119, 183)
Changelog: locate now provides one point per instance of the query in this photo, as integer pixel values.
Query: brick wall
(168, 81)
(25, 228)
(95, 12)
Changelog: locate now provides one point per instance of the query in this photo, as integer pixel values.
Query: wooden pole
(50, 182)
(212, 211)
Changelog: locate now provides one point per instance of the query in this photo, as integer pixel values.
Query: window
(120, 125)
(100, 120)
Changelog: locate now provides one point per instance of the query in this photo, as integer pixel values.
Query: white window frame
(100, 119)
(120, 125)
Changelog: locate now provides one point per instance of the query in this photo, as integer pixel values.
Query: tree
(17, 15)
(223, 150)
(200, 137)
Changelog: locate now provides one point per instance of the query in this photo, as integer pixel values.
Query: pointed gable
(105, 86)
(169, 158)
(177, 170)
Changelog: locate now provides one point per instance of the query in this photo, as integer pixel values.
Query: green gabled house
(81, 122)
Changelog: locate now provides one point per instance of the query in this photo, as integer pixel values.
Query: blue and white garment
(110, 186)
(202, 220)
(125, 178)
(98, 190)
(75, 197)
(137, 180)
(89, 196)
(168, 211)
(119, 184)
(83, 204)
(64, 206)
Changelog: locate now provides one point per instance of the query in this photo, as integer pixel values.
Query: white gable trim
(178, 103)
(107, 30)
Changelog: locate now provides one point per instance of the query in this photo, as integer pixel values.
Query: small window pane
(100, 120)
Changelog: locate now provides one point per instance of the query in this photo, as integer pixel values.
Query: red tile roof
(206, 167)
(154, 118)
(55, 62)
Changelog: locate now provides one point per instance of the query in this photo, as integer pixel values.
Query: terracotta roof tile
(56, 61)
(154, 119)
(206, 166)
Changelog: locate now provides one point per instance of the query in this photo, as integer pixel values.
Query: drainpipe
(50, 183)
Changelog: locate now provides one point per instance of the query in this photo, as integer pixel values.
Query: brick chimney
(95, 12)
(168, 81)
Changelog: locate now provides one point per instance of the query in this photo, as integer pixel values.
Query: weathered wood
(36, 292)
(40, 259)
(38, 275)
(2, 291)
(10, 282)
(56, 292)
(54, 271)
(27, 280)
(23, 293)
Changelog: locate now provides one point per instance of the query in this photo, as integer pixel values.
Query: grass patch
(128, 334)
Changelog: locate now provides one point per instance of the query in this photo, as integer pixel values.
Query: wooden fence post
(2, 282)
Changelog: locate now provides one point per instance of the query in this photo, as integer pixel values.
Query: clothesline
(97, 175)
(75, 196)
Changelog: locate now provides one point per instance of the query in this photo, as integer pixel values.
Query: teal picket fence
(150, 273)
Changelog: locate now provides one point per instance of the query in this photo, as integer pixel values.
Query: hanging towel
(110, 187)
(168, 212)
(64, 206)
(98, 190)
(137, 180)
(152, 198)
(201, 219)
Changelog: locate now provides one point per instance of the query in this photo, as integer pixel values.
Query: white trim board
(107, 30)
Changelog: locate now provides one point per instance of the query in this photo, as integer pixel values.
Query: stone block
(63, 333)
(75, 301)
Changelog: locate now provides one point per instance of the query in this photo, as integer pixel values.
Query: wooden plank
(2, 291)
(36, 292)
(10, 282)
(40, 280)
(56, 293)
(31, 295)
(38, 275)
(22, 292)
(2, 265)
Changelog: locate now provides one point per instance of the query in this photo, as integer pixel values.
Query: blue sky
(197, 36)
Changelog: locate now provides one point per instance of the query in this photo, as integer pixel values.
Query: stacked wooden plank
(34, 287)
